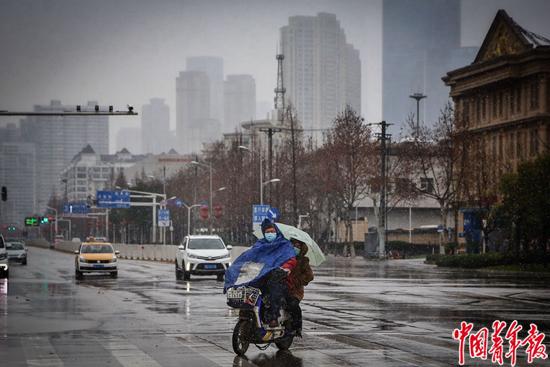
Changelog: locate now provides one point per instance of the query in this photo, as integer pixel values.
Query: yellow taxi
(96, 257)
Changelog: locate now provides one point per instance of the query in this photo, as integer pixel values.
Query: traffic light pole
(55, 210)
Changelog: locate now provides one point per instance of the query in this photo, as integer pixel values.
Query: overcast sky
(127, 51)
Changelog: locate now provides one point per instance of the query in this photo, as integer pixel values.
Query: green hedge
(472, 261)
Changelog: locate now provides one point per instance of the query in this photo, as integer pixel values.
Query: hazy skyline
(120, 52)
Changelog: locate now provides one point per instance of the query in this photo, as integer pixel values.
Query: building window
(534, 145)
(466, 110)
(495, 105)
(500, 104)
(518, 100)
(519, 151)
(510, 147)
(534, 100)
(427, 184)
(478, 109)
(500, 147)
(483, 107)
(513, 92)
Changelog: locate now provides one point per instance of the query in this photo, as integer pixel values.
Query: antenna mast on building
(279, 109)
(280, 90)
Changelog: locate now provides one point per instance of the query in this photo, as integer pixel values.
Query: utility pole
(382, 136)
(294, 193)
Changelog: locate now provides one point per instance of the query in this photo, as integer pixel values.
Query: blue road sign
(273, 214)
(76, 208)
(259, 213)
(179, 203)
(164, 218)
(113, 199)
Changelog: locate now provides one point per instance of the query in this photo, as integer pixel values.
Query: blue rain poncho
(259, 260)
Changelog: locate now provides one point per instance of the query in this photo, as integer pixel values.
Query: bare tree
(435, 154)
(348, 151)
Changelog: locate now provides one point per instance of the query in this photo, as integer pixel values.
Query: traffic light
(31, 221)
(4, 193)
(11, 229)
(44, 220)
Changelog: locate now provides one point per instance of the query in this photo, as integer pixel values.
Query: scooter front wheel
(241, 337)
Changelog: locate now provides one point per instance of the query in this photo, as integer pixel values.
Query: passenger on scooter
(297, 280)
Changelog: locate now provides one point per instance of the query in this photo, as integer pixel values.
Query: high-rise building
(18, 174)
(213, 67)
(239, 100)
(155, 126)
(321, 71)
(421, 41)
(58, 139)
(193, 123)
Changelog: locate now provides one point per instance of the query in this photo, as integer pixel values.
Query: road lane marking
(128, 354)
(41, 352)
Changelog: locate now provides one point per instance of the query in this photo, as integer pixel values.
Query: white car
(17, 252)
(202, 255)
(4, 266)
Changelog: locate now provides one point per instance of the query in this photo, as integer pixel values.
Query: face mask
(296, 251)
(270, 237)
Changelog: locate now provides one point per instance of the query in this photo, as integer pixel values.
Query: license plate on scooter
(235, 293)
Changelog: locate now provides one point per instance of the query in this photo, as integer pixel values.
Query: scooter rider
(265, 265)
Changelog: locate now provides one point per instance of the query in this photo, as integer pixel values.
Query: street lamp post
(418, 97)
(189, 207)
(265, 183)
(209, 165)
(242, 147)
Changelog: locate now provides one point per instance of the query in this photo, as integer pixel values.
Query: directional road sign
(113, 199)
(259, 213)
(76, 208)
(164, 218)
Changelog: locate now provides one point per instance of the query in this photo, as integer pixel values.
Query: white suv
(4, 267)
(202, 255)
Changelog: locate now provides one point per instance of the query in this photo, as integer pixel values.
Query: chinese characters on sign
(478, 342)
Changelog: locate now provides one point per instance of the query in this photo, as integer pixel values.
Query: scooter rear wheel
(241, 337)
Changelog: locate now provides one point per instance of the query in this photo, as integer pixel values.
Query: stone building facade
(502, 101)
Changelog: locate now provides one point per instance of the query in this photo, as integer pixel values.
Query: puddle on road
(3, 287)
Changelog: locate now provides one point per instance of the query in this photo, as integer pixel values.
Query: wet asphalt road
(356, 313)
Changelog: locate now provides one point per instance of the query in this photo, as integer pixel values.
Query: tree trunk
(444, 212)
(351, 239)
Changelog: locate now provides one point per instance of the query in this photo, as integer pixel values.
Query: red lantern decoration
(218, 211)
(203, 212)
